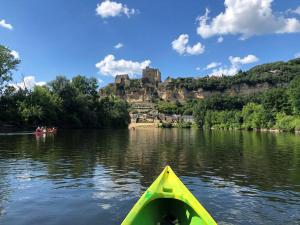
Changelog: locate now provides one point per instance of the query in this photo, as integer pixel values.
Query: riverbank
(144, 125)
(133, 126)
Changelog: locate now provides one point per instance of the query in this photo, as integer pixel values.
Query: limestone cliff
(150, 87)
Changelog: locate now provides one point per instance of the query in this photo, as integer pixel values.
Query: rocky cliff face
(182, 94)
(258, 79)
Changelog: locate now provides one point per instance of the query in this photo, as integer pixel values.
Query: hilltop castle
(135, 90)
(150, 76)
(150, 88)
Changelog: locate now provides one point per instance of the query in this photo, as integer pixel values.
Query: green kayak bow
(168, 201)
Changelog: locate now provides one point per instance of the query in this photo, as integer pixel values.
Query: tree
(113, 112)
(294, 93)
(276, 100)
(254, 116)
(49, 103)
(8, 63)
(199, 113)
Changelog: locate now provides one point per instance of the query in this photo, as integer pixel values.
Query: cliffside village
(140, 93)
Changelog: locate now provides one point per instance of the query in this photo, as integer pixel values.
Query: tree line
(278, 108)
(275, 74)
(63, 102)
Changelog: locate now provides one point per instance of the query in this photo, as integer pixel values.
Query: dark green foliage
(294, 93)
(277, 108)
(64, 103)
(7, 64)
(113, 112)
(275, 74)
(170, 107)
(276, 100)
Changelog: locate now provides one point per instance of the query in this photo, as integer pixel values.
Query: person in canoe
(45, 130)
(51, 130)
(38, 130)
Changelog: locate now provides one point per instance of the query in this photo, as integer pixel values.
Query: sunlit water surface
(95, 177)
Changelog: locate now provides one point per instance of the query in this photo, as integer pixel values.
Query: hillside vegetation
(275, 108)
(275, 74)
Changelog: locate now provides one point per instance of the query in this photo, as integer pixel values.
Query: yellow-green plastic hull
(168, 201)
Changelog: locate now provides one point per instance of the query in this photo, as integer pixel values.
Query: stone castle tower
(152, 76)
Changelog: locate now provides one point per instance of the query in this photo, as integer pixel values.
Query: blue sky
(181, 38)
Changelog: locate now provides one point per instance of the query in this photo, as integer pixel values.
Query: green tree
(8, 63)
(254, 116)
(113, 112)
(276, 100)
(49, 103)
(294, 93)
(200, 112)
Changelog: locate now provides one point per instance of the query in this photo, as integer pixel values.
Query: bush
(254, 116)
(183, 124)
(287, 123)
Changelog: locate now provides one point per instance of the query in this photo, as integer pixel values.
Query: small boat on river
(168, 201)
(41, 131)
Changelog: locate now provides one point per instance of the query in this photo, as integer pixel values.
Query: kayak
(168, 201)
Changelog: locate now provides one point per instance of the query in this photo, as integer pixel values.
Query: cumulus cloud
(235, 65)
(297, 11)
(118, 46)
(15, 54)
(28, 82)
(246, 18)
(5, 25)
(181, 46)
(224, 71)
(212, 65)
(297, 55)
(198, 68)
(111, 67)
(109, 8)
(246, 60)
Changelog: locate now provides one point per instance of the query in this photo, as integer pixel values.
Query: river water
(95, 177)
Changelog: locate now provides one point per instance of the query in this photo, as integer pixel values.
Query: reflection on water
(95, 177)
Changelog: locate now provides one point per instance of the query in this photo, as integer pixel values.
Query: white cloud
(297, 55)
(198, 68)
(224, 71)
(28, 82)
(235, 66)
(15, 54)
(6, 25)
(297, 11)
(111, 67)
(246, 60)
(220, 39)
(212, 65)
(181, 46)
(119, 45)
(109, 8)
(246, 18)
